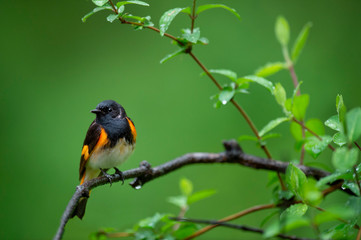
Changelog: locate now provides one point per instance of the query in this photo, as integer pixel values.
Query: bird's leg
(117, 171)
(108, 176)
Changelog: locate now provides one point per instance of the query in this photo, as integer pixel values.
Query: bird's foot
(117, 171)
(108, 176)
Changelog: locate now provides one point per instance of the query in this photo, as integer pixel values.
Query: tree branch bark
(145, 173)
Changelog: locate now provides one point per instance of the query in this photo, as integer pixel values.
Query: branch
(146, 173)
(231, 217)
(235, 226)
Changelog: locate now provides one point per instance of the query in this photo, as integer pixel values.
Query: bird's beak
(95, 111)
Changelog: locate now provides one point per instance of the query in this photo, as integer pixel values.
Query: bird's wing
(95, 137)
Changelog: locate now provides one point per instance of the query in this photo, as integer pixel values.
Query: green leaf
(186, 186)
(315, 147)
(100, 3)
(172, 55)
(247, 137)
(295, 210)
(341, 110)
(271, 135)
(269, 69)
(344, 159)
(197, 196)
(353, 120)
(352, 186)
(210, 6)
(225, 72)
(295, 179)
(261, 81)
(282, 30)
(272, 230)
(167, 18)
(272, 124)
(311, 193)
(333, 177)
(179, 201)
(280, 94)
(333, 123)
(299, 107)
(112, 17)
(226, 95)
(191, 37)
(316, 126)
(339, 139)
(203, 41)
(341, 231)
(141, 3)
(187, 10)
(296, 131)
(97, 9)
(300, 41)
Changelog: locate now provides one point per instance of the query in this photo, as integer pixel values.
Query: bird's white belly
(112, 157)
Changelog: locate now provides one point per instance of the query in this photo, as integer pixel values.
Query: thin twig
(358, 146)
(231, 217)
(312, 132)
(235, 226)
(145, 173)
(193, 17)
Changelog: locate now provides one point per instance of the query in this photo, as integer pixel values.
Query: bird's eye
(109, 109)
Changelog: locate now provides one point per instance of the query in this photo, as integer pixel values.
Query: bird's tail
(79, 210)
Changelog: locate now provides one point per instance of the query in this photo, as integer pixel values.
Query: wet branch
(146, 173)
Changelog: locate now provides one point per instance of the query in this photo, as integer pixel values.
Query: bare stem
(231, 217)
(193, 17)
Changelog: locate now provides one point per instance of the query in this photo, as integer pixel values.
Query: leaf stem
(193, 17)
(312, 132)
(231, 217)
(294, 77)
(358, 146)
(339, 219)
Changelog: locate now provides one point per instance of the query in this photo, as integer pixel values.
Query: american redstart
(110, 140)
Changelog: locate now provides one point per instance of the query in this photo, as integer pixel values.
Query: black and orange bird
(110, 140)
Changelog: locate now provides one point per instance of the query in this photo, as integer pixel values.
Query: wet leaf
(191, 37)
(353, 120)
(95, 10)
(225, 72)
(272, 124)
(344, 159)
(167, 19)
(315, 147)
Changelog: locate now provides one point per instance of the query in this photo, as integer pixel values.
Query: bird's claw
(117, 171)
(108, 176)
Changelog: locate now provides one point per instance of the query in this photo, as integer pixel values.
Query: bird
(109, 142)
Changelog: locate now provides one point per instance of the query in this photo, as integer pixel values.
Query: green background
(54, 69)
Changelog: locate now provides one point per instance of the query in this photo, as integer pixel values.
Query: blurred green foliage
(54, 69)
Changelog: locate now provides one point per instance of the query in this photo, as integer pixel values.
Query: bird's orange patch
(82, 179)
(132, 129)
(103, 140)
(85, 152)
